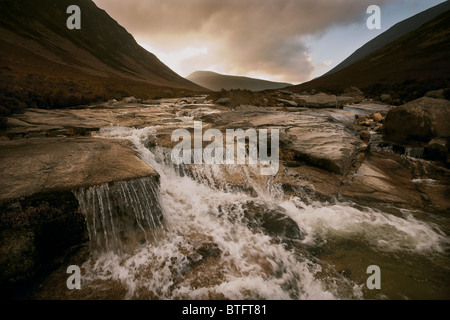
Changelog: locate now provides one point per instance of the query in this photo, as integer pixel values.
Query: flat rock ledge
(32, 166)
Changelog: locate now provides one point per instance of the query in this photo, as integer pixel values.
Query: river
(205, 248)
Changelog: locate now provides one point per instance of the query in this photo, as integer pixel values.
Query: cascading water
(213, 251)
(122, 214)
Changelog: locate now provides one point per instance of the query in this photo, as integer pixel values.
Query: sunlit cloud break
(264, 37)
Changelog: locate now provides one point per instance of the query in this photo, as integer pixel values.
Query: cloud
(242, 36)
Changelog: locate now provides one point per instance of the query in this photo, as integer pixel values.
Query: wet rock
(318, 184)
(325, 145)
(35, 166)
(435, 193)
(382, 180)
(421, 120)
(262, 217)
(203, 252)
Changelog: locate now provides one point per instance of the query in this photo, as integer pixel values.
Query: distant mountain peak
(216, 82)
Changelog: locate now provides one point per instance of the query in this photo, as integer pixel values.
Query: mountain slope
(407, 67)
(216, 82)
(43, 63)
(397, 31)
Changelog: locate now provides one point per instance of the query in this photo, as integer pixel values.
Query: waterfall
(234, 235)
(121, 215)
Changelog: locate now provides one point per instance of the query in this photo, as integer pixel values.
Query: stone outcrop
(41, 223)
(33, 166)
(419, 120)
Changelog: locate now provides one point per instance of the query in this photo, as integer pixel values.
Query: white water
(246, 264)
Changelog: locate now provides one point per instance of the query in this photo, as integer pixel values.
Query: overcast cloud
(238, 36)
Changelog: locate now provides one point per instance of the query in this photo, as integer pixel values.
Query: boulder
(263, 217)
(377, 117)
(420, 120)
(224, 101)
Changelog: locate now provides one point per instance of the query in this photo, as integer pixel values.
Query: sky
(280, 40)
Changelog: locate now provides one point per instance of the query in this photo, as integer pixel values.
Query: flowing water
(206, 248)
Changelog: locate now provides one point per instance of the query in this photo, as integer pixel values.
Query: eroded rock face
(420, 120)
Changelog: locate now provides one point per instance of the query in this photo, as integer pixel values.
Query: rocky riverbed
(331, 159)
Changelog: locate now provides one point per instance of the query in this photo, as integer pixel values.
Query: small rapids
(212, 247)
